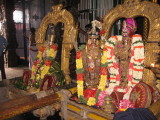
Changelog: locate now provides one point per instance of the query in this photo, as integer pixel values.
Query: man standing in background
(3, 44)
(32, 47)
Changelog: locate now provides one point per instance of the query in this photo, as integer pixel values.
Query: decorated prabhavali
(43, 65)
(60, 15)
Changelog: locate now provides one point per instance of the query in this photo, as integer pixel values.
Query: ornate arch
(132, 9)
(69, 38)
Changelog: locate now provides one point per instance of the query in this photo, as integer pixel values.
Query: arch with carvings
(56, 16)
(149, 10)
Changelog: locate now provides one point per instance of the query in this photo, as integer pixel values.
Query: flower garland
(41, 66)
(80, 77)
(50, 55)
(37, 64)
(136, 65)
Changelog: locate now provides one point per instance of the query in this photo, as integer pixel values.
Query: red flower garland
(80, 76)
(103, 71)
(54, 47)
(48, 63)
(42, 49)
(78, 54)
(102, 32)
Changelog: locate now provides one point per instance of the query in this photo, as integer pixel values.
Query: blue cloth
(3, 42)
(135, 114)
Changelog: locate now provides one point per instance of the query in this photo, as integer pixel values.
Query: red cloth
(89, 93)
(51, 81)
(116, 98)
(26, 76)
(141, 95)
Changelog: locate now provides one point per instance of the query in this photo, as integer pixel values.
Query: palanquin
(130, 9)
(151, 29)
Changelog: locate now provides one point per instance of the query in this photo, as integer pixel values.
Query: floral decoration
(45, 64)
(102, 32)
(136, 65)
(80, 78)
(37, 64)
(124, 105)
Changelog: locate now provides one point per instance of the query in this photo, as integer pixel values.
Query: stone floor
(14, 72)
(11, 73)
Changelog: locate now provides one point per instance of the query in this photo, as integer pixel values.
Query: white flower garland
(135, 65)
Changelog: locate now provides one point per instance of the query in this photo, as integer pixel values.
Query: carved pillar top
(155, 1)
(131, 1)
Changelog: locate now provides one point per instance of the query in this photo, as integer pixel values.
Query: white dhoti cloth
(32, 55)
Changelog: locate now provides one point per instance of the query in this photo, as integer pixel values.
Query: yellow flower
(80, 83)
(123, 109)
(91, 101)
(80, 88)
(80, 92)
(42, 68)
(39, 54)
(103, 78)
(51, 53)
(79, 64)
(42, 75)
(102, 83)
(101, 87)
(103, 59)
(38, 76)
(38, 90)
(33, 68)
(32, 77)
(104, 53)
(44, 72)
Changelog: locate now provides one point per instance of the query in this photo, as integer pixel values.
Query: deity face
(129, 27)
(125, 31)
(93, 41)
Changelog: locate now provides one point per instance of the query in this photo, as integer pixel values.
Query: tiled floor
(13, 72)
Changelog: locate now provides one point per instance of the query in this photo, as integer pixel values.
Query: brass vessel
(108, 105)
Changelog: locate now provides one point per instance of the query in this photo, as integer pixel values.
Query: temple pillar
(11, 33)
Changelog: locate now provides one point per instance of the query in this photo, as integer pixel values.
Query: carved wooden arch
(132, 9)
(70, 32)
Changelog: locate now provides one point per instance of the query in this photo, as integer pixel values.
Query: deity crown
(93, 33)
